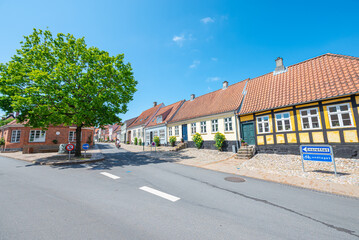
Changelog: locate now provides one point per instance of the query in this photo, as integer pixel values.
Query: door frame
(254, 128)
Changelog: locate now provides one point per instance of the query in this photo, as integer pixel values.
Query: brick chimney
(192, 97)
(154, 104)
(225, 85)
(279, 67)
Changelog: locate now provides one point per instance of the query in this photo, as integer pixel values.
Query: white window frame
(262, 122)
(170, 131)
(162, 136)
(282, 120)
(177, 131)
(214, 125)
(17, 136)
(228, 125)
(203, 126)
(159, 119)
(39, 139)
(309, 116)
(339, 113)
(74, 136)
(193, 128)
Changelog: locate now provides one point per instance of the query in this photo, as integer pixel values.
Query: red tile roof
(220, 101)
(166, 112)
(325, 76)
(145, 116)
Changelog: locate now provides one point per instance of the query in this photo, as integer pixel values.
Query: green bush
(173, 140)
(2, 141)
(140, 142)
(219, 139)
(198, 140)
(157, 140)
(135, 142)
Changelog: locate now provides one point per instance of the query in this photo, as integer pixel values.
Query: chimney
(154, 104)
(225, 85)
(192, 97)
(279, 67)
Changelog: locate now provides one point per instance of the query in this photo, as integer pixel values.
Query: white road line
(160, 194)
(110, 175)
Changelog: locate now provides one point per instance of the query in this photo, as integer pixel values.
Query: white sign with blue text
(320, 153)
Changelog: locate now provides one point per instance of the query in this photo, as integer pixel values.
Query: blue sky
(177, 48)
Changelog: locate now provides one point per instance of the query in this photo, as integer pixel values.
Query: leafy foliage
(5, 121)
(157, 140)
(2, 141)
(173, 140)
(219, 139)
(140, 142)
(55, 80)
(135, 141)
(198, 140)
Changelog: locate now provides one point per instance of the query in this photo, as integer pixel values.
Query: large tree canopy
(59, 80)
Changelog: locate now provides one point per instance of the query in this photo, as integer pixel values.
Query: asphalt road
(91, 202)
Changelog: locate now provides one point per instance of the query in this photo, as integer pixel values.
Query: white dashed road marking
(110, 175)
(160, 194)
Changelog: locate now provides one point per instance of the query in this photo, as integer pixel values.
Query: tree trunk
(78, 142)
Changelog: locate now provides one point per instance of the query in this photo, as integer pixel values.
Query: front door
(184, 132)
(151, 137)
(248, 133)
(129, 136)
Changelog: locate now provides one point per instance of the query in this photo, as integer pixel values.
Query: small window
(176, 130)
(228, 124)
(310, 118)
(193, 128)
(72, 136)
(203, 127)
(340, 116)
(263, 124)
(15, 136)
(283, 122)
(37, 136)
(162, 136)
(170, 131)
(215, 125)
(159, 119)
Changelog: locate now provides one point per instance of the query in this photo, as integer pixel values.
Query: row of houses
(312, 102)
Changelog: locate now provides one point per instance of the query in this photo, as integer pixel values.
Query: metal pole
(301, 156)
(335, 168)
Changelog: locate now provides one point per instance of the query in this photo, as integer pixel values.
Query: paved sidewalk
(54, 158)
(284, 169)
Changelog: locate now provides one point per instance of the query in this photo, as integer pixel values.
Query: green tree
(198, 140)
(55, 80)
(5, 121)
(219, 139)
(173, 140)
(135, 141)
(156, 140)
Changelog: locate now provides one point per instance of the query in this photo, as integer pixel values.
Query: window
(228, 124)
(37, 136)
(215, 125)
(176, 130)
(134, 133)
(162, 136)
(72, 136)
(159, 119)
(148, 137)
(15, 136)
(170, 131)
(310, 118)
(203, 127)
(263, 124)
(193, 128)
(283, 122)
(155, 133)
(340, 115)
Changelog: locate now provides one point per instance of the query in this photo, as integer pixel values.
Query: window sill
(36, 141)
(203, 133)
(228, 131)
(263, 133)
(342, 127)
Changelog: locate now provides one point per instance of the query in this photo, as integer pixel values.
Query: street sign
(70, 147)
(320, 153)
(153, 143)
(86, 146)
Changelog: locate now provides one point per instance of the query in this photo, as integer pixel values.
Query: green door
(248, 133)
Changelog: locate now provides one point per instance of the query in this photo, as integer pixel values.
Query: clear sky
(177, 48)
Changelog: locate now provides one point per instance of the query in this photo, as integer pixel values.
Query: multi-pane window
(155, 133)
(162, 136)
(159, 119)
(15, 136)
(203, 127)
(228, 124)
(310, 118)
(176, 130)
(283, 122)
(340, 115)
(263, 124)
(170, 131)
(72, 136)
(37, 136)
(193, 128)
(215, 125)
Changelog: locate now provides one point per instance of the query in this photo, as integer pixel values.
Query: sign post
(154, 145)
(85, 147)
(69, 147)
(320, 153)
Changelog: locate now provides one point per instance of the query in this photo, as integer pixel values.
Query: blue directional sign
(320, 153)
(316, 149)
(317, 157)
(86, 146)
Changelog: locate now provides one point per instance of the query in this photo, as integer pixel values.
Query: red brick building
(18, 137)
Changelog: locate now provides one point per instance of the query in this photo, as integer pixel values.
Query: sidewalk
(53, 158)
(286, 169)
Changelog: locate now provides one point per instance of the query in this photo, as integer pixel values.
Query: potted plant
(198, 140)
(182, 141)
(54, 141)
(173, 140)
(243, 142)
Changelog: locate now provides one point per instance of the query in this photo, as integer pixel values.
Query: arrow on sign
(304, 149)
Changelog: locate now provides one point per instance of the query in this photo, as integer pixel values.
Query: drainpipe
(235, 118)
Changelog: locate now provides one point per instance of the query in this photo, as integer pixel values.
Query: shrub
(157, 140)
(140, 142)
(219, 139)
(2, 141)
(54, 141)
(198, 140)
(173, 140)
(108, 139)
(128, 142)
(135, 141)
